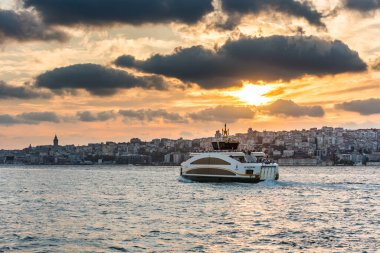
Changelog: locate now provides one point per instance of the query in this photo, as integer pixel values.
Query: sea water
(150, 209)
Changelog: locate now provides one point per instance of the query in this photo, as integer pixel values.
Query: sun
(252, 94)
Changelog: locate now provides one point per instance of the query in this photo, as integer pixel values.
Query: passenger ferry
(226, 164)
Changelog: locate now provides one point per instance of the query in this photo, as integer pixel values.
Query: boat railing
(269, 162)
(222, 151)
(218, 151)
(262, 161)
(215, 151)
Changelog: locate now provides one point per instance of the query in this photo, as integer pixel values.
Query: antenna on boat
(225, 131)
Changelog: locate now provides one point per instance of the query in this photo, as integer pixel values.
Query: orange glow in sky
(252, 94)
(172, 73)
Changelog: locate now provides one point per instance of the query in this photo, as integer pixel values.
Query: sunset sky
(109, 70)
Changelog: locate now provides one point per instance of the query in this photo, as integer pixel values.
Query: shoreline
(164, 165)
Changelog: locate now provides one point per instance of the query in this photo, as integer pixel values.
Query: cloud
(7, 120)
(87, 116)
(151, 115)
(236, 9)
(376, 64)
(23, 92)
(143, 115)
(349, 90)
(96, 79)
(26, 26)
(364, 107)
(103, 12)
(39, 117)
(252, 59)
(362, 5)
(29, 118)
(289, 108)
(225, 114)
(275, 92)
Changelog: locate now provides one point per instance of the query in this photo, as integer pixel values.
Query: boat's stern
(269, 172)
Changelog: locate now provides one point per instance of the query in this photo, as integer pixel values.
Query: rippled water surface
(148, 209)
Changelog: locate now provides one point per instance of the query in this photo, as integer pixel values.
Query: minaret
(55, 141)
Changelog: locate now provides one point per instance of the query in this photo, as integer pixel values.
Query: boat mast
(225, 131)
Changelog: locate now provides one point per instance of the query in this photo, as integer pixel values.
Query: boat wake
(269, 183)
(184, 180)
(318, 185)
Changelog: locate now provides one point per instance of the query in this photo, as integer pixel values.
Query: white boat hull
(221, 167)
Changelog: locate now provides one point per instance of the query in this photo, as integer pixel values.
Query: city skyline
(326, 146)
(117, 70)
(64, 142)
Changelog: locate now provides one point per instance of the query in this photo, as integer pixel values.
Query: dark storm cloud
(237, 8)
(25, 26)
(136, 12)
(29, 118)
(87, 116)
(96, 79)
(151, 115)
(362, 5)
(20, 92)
(226, 114)
(364, 107)
(289, 108)
(253, 59)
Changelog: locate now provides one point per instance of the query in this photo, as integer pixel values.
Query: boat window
(211, 160)
(211, 171)
(250, 172)
(250, 159)
(239, 159)
(235, 158)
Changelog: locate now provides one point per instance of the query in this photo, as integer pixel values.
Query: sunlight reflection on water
(150, 209)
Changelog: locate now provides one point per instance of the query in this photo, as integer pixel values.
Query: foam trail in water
(184, 180)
